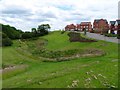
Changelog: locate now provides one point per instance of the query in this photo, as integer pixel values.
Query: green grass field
(83, 72)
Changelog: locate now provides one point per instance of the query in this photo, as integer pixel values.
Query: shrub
(111, 35)
(118, 37)
(92, 31)
(4, 35)
(4, 65)
(6, 42)
(11, 32)
(27, 35)
(62, 32)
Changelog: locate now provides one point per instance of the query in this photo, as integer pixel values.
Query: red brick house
(117, 26)
(70, 27)
(100, 26)
(78, 27)
(112, 26)
(84, 25)
(67, 28)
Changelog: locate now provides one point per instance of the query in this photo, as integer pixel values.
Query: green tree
(5, 40)
(11, 32)
(27, 35)
(43, 29)
(34, 31)
(84, 29)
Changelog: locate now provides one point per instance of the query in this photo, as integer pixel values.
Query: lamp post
(85, 31)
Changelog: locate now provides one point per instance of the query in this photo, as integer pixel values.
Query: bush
(27, 35)
(55, 54)
(62, 32)
(4, 35)
(11, 32)
(118, 37)
(111, 35)
(6, 42)
(105, 31)
(92, 31)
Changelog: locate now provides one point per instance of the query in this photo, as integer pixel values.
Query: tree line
(36, 32)
(10, 33)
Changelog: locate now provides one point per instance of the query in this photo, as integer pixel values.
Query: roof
(97, 20)
(112, 22)
(118, 21)
(85, 23)
(78, 25)
(71, 26)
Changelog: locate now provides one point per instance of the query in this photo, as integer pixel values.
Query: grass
(7, 73)
(61, 74)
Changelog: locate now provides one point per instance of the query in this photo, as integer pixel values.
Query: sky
(27, 14)
(119, 9)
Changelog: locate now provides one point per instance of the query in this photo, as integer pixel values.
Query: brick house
(67, 28)
(112, 26)
(70, 27)
(100, 26)
(78, 27)
(117, 26)
(84, 25)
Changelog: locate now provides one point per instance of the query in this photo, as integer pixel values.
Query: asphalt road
(102, 37)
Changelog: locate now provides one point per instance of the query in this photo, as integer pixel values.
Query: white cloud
(26, 14)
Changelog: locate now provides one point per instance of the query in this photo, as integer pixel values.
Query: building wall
(101, 26)
(84, 26)
(87, 26)
(70, 27)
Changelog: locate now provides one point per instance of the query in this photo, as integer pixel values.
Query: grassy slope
(61, 74)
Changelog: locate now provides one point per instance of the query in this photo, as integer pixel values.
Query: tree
(5, 40)
(34, 30)
(102, 28)
(84, 29)
(11, 32)
(27, 35)
(43, 29)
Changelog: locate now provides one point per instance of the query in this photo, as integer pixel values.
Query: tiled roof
(85, 23)
(118, 21)
(71, 26)
(78, 25)
(112, 22)
(97, 20)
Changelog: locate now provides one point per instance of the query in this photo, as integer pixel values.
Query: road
(102, 37)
